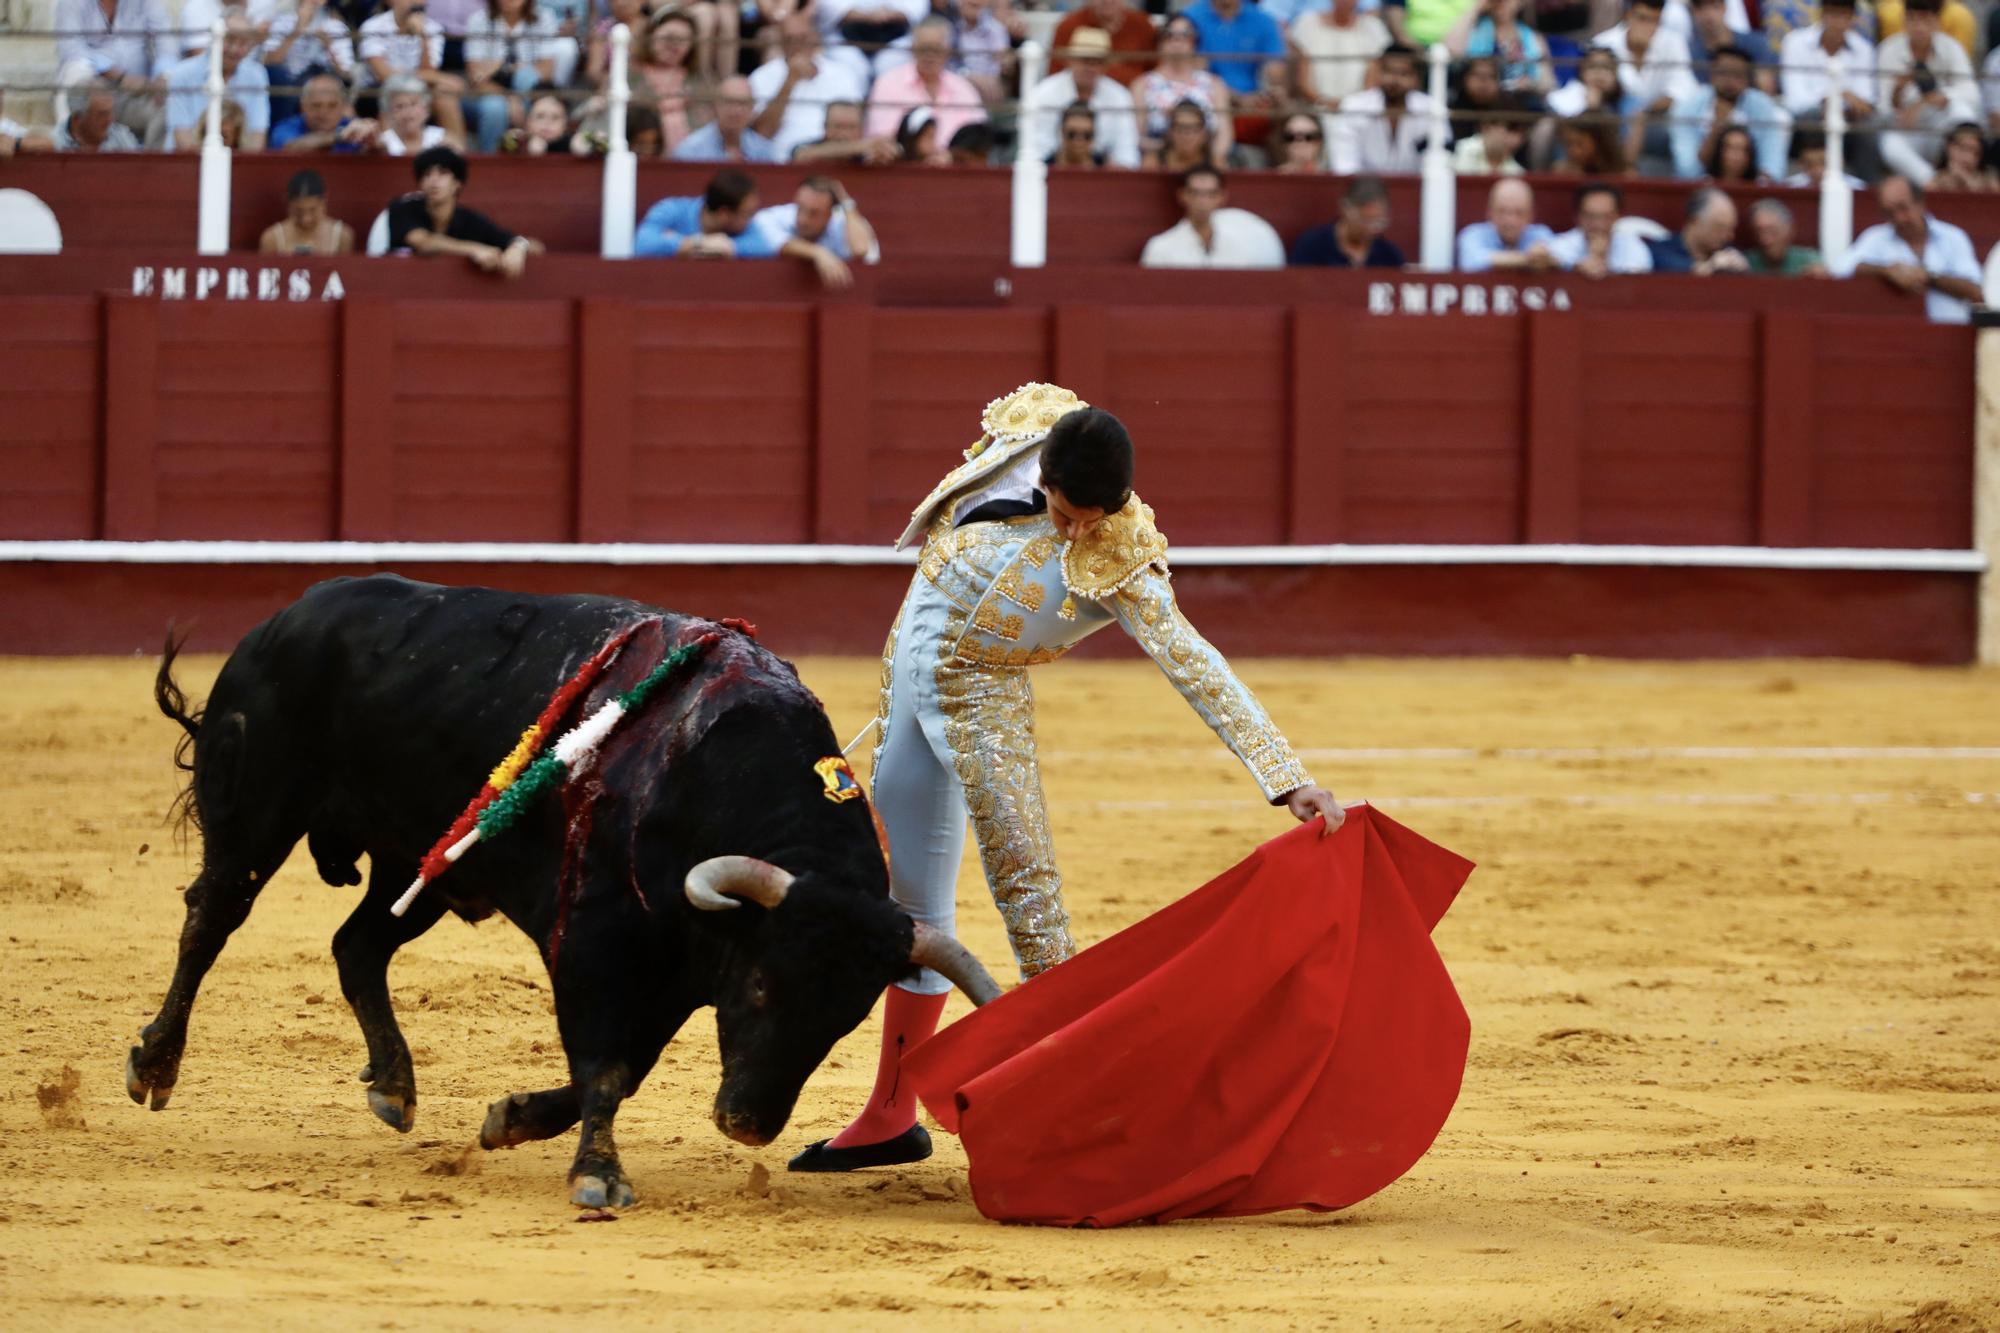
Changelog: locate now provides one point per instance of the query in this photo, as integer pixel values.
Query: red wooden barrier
(433, 403)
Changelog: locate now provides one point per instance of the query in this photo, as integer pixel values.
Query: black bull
(366, 714)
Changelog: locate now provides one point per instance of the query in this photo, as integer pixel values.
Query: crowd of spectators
(1706, 91)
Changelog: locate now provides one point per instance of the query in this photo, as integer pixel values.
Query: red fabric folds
(1284, 1037)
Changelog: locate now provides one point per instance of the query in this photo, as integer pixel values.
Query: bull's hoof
(498, 1131)
(396, 1110)
(600, 1192)
(139, 1087)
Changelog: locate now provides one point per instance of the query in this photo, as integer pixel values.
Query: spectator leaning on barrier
(1915, 252)
(1728, 98)
(1595, 247)
(244, 80)
(325, 123)
(1491, 151)
(1926, 88)
(1212, 235)
(431, 222)
(729, 137)
(93, 125)
(1965, 166)
(130, 48)
(1774, 254)
(714, 224)
(1383, 129)
(404, 39)
(1084, 81)
(1653, 70)
(1710, 31)
(1356, 240)
(406, 107)
(844, 141)
(924, 81)
(794, 89)
(1702, 245)
(306, 229)
(823, 227)
(1510, 238)
(1128, 31)
(1336, 46)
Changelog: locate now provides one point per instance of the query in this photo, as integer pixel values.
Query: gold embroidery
(1147, 609)
(1014, 426)
(888, 690)
(1016, 589)
(984, 654)
(989, 723)
(1112, 554)
(1038, 551)
(989, 618)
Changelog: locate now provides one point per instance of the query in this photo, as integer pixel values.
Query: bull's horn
(947, 957)
(722, 882)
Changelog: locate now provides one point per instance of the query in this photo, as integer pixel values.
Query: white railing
(1439, 217)
(620, 201)
(1030, 244)
(1836, 196)
(212, 221)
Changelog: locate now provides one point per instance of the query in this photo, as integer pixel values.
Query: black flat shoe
(912, 1145)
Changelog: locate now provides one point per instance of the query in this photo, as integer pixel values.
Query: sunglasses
(1302, 136)
(1084, 135)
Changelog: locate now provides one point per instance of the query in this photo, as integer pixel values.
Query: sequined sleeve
(1146, 608)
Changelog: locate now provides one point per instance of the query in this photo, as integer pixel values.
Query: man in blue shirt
(324, 124)
(1239, 39)
(1914, 252)
(729, 138)
(1356, 240)
(712, 225)
(1728, 98)
(1702, 247)
(1510, 238)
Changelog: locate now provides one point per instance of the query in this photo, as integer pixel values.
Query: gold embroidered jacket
(1030, 597)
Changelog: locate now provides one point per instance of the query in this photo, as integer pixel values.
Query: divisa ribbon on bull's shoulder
(529, 771)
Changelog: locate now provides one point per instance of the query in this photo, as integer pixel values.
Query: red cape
(1284, 1037)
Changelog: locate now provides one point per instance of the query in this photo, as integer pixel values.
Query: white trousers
(959, 741)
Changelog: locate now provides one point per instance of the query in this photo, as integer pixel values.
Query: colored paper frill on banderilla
(1284, 1037)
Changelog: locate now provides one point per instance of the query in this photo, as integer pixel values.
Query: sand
(1735, 1058)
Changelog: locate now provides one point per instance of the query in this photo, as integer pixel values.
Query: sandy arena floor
(1735, 1061)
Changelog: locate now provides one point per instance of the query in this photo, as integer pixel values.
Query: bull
(702, 862)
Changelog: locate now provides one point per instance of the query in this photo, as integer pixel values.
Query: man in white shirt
(1655, 71)
(1212, 235)
(1382, 130)
(1806, 58)
(793, 89)
(1085, 81)
(243, 79)
(1926, 88)
(404, 39)
(1915, 252)
(1595, 247)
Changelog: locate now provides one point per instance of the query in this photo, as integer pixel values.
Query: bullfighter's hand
(1309, 801)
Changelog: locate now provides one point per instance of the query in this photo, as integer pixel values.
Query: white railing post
(1439, 226)
(1031, 173)
(620, 202)
(1836, 197)
(212, 221)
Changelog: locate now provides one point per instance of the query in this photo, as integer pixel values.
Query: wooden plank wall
(611, 420)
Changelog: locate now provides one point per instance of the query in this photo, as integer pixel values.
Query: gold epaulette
(1112, 554)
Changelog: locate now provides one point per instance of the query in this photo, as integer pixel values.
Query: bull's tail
(173, 702)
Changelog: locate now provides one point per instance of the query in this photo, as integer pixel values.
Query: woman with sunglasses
(1177, 80)
(1298, 144)
(1189, 142)
(1074, 148)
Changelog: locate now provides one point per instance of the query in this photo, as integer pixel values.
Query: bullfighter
(1034, 543)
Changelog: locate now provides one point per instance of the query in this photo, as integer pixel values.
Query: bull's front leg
(217, 903)
(596, 1177)
(528, 1117)
(362, 948)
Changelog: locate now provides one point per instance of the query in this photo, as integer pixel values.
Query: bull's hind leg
(362, 948)
(218, 902)
(527, 1117)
